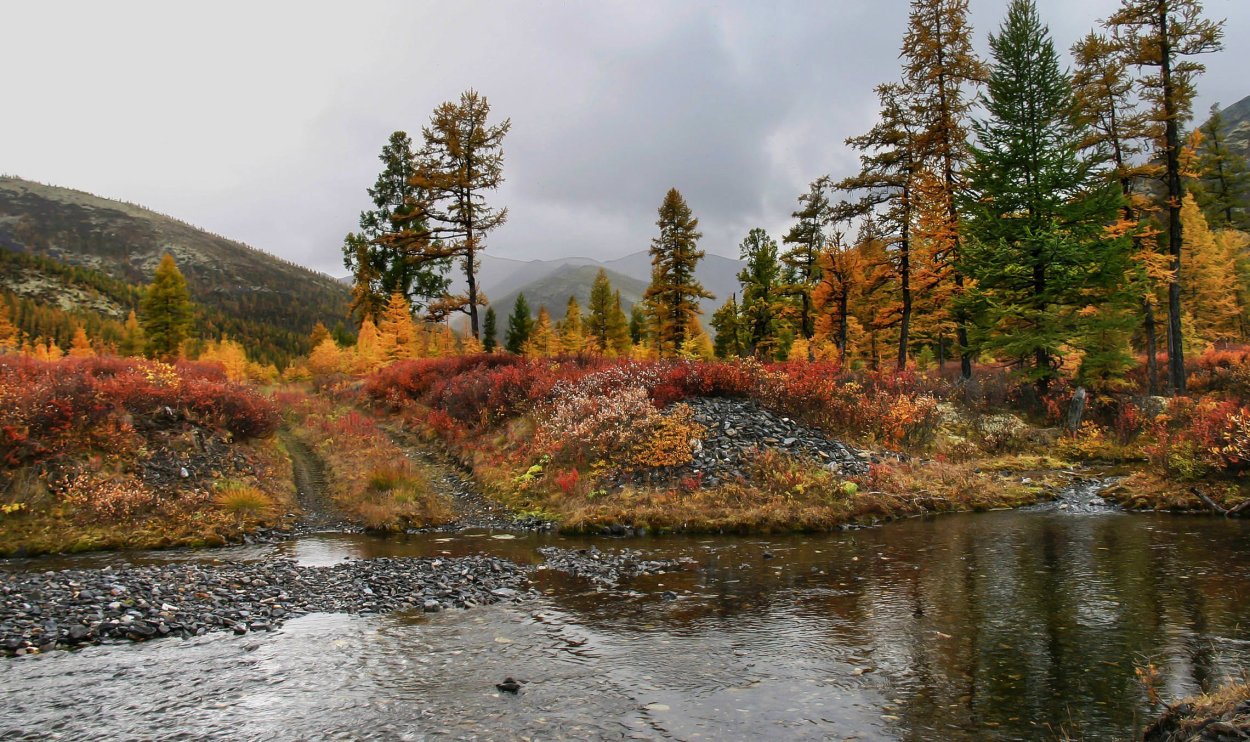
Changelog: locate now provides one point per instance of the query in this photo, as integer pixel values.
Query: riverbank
(45, 610)
(1220, 716)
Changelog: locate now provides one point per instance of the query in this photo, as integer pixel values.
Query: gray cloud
(263, 121)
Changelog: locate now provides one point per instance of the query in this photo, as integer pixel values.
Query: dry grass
(1189, 719)
(1150, 489)
(242, 499)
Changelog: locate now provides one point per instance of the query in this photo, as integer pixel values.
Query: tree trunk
(904, 325)
(1152, 348)
(1176, 345)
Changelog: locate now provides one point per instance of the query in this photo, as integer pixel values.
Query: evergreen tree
(167, 313)
(519, 326)
(807, 238)
(599, 314)
(889, 168)
(385, 255)
(727, 322)
(490, 332)
(619, 340)
(1038, 207)
(461, 161)
(1103, 89)
(761, 294)
(940, 68)
(637, 323)
(1164, 34)
(674, 294)
(1223, 175)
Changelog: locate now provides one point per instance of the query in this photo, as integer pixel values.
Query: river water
(1005, 625)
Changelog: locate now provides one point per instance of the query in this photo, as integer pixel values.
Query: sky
(263, 121)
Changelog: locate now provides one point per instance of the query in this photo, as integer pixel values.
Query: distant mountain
(1237, 120)
(553, 289)
(256, 297)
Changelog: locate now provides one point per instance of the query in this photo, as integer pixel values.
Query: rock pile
(47, 610)
(608, 568)
(736, 427)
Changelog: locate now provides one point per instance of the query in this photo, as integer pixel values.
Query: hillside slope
(554, 289)
(246, 291)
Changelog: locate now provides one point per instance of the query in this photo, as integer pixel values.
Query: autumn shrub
(1196, 437)
(1224, 371)
(103, 403)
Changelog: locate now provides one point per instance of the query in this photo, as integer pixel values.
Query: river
(1004, 625)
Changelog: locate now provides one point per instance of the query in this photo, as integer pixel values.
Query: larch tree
(1165, 35)
(543, 341)
(520, 324)
(80, 346)
(166, 312)
(886, 182)
(132, 341)
(1037, 206)
(941, 69)
(762, 304)
(802, 260)
(571, 330)
(831, 299)
(385, 255)
(696, 345)
(396, 330)
(674, 294)
(490, 331)
(461, 162)
(1211, 292)
(1223, 176)
(1105, 95)
(619, 340)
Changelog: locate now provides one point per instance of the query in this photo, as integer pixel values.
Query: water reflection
(999, 626)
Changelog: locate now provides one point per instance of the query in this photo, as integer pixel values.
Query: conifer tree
(1164, 35)
(385, 255)
(397, 332)
(543, 341)
(807, 237)
(80, 347)
(10, 337)
(1038, 206)
(674, 294)
(572, 335)
(599, 313)
(619, 341)
(637, 323)
(696, 345)
(519, 326)
(887, 180)
(319, 333)
(727, 322)
(1103, 89)
(940, 69)
(1212, 288)
(132, 341)
(1223, 175)
(461, 162)
(831, 300)
(369, 353)
(490, 331)
(326, 358)
(167, 312)
(761, 294)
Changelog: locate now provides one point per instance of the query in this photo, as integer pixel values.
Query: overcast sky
(262, 121)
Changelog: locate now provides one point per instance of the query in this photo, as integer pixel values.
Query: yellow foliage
(326, 358)
(81, 345)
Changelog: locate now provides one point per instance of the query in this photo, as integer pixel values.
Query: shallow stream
(1005, 625)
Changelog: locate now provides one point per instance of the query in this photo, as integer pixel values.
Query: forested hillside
(96, 252)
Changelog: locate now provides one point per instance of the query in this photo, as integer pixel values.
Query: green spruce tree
(727, 322)
(520, 323)
(490, 332)
(1038, 207)
(761, 294)
(166, 313)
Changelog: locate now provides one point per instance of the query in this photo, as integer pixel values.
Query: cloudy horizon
(263, 122)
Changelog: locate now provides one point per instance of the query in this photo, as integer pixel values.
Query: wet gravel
(40, 611)
(608, 568)
(736, 428)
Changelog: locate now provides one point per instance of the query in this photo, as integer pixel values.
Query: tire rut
(318, 512)
(473, 509)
